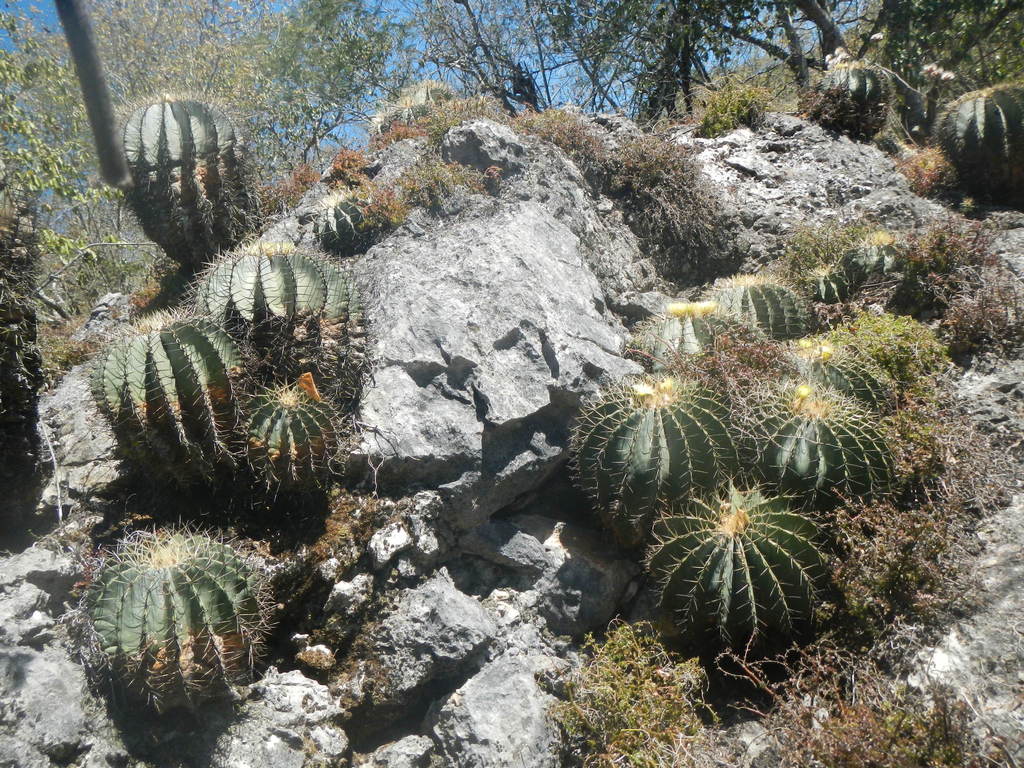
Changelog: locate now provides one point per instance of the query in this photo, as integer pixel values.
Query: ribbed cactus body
(643, 444)
(170, 391)
(816, 443)
(291, 436)
(861, 82)
(852, 98)
(830, 285)
(762, 303)
(742, 567)
(842, 370)
(191, 191)
(982, 133)
(339, 223)
(179, 616)
(686, 328)
(877, 254)
(278, 281)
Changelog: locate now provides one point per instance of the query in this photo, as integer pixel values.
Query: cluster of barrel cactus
(852, 98)
(730, 491)
(191, 189)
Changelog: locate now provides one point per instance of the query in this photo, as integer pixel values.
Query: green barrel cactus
(339, 223)
(412, 103)
(170, 391)
(982, 134)
(191, 189)
(877, 254)
(819, 444)
(686, 328)
(852, 98)
(653, 441)
(267, 281)
(843, 370)
(830, 284)
(745, 567)
(763, 303)
(291, 435)
(178, 616)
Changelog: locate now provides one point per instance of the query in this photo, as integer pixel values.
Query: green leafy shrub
(764, 303)
(982, 133)
(178, 616)
(632, 701)
(59, 352)
(852, 98)
(191, 189)
(909, 353)
(668, 202)
(743, 567)
(733, 103)
(817, 254)
(653, 441)
(430, 183)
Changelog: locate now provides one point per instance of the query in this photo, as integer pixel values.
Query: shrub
(940, 262)
(348, 169)
(668, 202)
(59, 352)
(732, 103)
(989, 313)
(929, 173)
(397, 132)
(852, 98)
(811, 248)
(908, 352)
(430, 183)
(385, 212)
(569, 132)
(632, 700)
(286, 193)
(445, 115)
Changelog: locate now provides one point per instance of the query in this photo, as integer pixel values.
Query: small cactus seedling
(291, 435)
(877, 254)
(266, 281)
(339, 223)
(649, 442)
(852, 98)
(686, 328)
(762, 303)
(745, 567)
(191, 190)
(178, 616)
(820, 444)
(169, 389)
(843, 370)
(982, 134)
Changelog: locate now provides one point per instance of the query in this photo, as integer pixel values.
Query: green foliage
(179, 617)
(763, 303)
(843, 370)
(59, 352)
(686, 328)
(730, 105)
(744, 567)
(191, 188)
(653, 441)
(982, 134)
(939, 262)
(819, 444)
(632, 702)
(291, 436)
(852, 98)
(170, 389)
(908, 352)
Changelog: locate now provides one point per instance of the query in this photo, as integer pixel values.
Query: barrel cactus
(830, 284)
(686, 328)
(819, 444)
(648, 442)
(412, 103)
(291, 435)
(982, 134)
(191, 190)
(339, 222)
(877, 254)
(277, 281)
(852, 98)
(178, 616)
(745, 567)
(763, 303)
(843, 370)
(170, 390)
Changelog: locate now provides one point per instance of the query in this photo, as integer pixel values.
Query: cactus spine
(762, 303)
(339, 223)
(818, 443)
(191, 191)
(686, 328)
(852, 98)
(843, 370)
(640, 445)
(982, 134)
(169, 390)
(291, 435)
(743, 567)
(830, 284)
(876, 254)
(179, 616)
